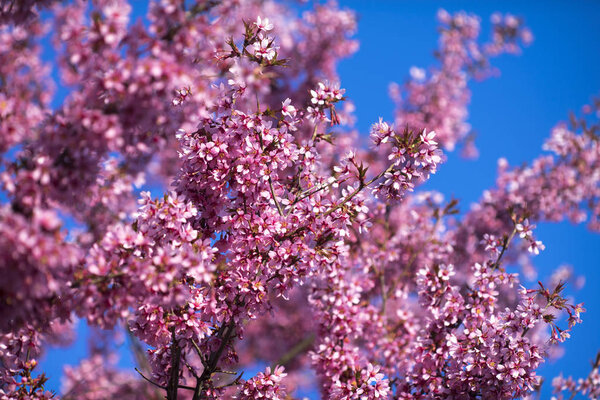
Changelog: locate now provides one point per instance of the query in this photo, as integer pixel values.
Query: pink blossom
(276, 236)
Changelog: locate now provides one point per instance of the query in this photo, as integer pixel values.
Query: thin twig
(361, 186)
(279, 209)
(234, 382)
(149, 380)
(504, 247)
(199, 352)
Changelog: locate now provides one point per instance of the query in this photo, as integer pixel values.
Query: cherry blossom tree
(281, 235)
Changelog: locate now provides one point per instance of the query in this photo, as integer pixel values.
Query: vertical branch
(173, 383)
(226, 333)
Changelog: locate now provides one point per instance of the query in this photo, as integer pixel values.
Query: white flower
(263, 24)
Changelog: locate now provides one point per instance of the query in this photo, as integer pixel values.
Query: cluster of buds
(324, 98)
(181, 95)
(263, 50)
(414, 156)
(508, 32)
(555, 300)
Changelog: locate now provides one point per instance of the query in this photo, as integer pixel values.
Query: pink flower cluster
(37, 262)
(22, 11)
(97, 378)
(279, 239)
(264, 386)
(413, 156)
(588, 386)
(25, 94)
(438, 98)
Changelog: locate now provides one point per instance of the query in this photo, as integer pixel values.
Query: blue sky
(512, 114)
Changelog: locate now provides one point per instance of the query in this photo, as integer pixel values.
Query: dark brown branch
(225, 333)
(173, 383)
